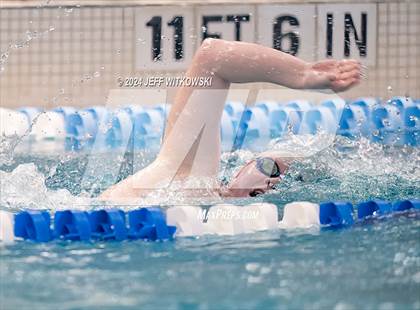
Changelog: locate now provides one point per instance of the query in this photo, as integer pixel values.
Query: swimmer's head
(257, 177)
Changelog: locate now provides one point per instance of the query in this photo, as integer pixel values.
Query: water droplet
(3, 57)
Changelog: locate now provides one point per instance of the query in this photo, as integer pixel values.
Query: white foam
(25, 187)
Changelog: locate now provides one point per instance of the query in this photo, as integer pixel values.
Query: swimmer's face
(257, 177)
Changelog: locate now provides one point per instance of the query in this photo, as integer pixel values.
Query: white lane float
(222, 219)
(6, 226)
(49, 125)
(300, 214)
(13, 123)
(187, 219)
(48, 132)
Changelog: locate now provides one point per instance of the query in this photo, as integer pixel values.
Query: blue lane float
(157, 224)
(336, 214)
(149, 224)
(33, 225)
(405, 205)
(108, 225)
(81, 128)
(120, 127)
(320, 118)
(354, 122)
(300, 105)
(72, 225)
(402, 102)
(366, 103)
(30, 112)
(336, 105)
(99, 113)
(75, 225)
(412, 125)
(373, 207)
(387, 125)
(253, 130)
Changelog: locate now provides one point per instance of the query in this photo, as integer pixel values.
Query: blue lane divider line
(108, 225)
(373, 207)
(336, 213)
(33, 225)
(72, 225)
(150, 224)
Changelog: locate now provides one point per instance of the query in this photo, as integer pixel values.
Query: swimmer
(191, 145)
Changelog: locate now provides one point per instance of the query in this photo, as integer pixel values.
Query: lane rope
(157, 224)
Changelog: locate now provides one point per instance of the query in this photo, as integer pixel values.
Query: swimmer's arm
(241, 62)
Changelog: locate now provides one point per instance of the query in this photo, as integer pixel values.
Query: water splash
(30, 36)
(24, 42)
(24, 188)
(7, 148)
(9, 144)
(352, 170)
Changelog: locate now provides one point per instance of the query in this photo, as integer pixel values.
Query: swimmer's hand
(338, 75)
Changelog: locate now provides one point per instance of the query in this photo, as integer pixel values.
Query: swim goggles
(268, 167)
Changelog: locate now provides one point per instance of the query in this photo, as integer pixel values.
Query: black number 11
(156, 23)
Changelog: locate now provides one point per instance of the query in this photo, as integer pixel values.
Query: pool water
(372, 265)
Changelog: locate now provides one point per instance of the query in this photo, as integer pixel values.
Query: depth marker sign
(166, 37)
